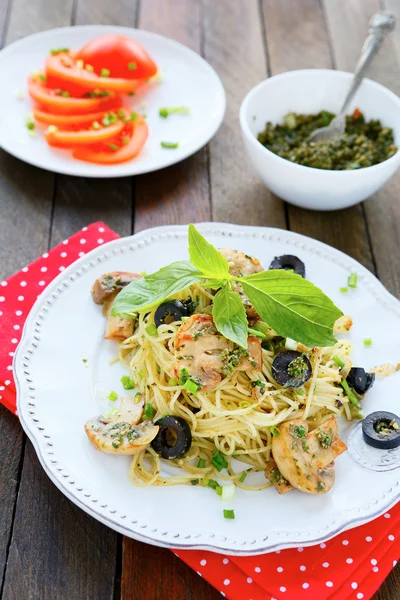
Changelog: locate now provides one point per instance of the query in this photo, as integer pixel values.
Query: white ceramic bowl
(310, 91)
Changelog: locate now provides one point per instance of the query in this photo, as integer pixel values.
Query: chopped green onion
(30, 125)
(112, 412)
(274, 430)
(338, 361)
(105, 73)
(113, 147)
(344, 290)
(63, 93)
(95, 125)
(125, 140)
(300, 392)
(353, 399)
(58, 51)
(352, 280)
(183, 376)
(256, 333)
(132, 117)
(152, 330)
(191, 386)
(218, 489)
(170, 145)
(19, 94)
(127, 382)
(172, 382)
(112, 396)
(205, 482)
(368, 342)
(218, 461)
(202, 463)
(243, 477)
(229, 514)
(170, 110)
(141, 374)
(228, 491)
(149, 411)
(89, 68)
(132, 66)
(213, 484)
(194, 481)
(235, 455)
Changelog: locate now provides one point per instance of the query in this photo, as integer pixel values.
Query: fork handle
(379, 26)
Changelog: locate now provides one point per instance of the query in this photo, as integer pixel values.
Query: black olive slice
(359, 380)
(173, 439)
(170, 311)
(288, 262)
(381, 429)
(291, 369)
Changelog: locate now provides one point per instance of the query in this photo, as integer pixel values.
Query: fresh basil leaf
(230, 316)
(214, 284)
(293, 306)
(143, 294)
(205, 257)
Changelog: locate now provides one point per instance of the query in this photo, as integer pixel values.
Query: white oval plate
(58, 392)
(187, 80)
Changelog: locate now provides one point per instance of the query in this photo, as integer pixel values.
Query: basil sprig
(291, 305)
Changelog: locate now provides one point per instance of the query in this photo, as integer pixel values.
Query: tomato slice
(83, 137)
(121, 55)
(129, 143)
(69, 106)
(67, 121)
(63, 67)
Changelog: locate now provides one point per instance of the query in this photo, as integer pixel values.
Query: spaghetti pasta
(235, 417)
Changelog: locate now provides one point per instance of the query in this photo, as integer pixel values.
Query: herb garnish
(291, 305)
(170, 110)
(169, 145)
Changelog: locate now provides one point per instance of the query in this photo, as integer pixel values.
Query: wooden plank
(57, 551)
(25, 206)
(348, 25)
(26, 192)
(179, 194)
(50, 521)
(309, 47)
(11, 443)
(233, 44)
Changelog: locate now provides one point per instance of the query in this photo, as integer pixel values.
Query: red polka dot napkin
(350, 566)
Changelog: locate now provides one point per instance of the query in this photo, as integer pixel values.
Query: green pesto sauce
(365, 143)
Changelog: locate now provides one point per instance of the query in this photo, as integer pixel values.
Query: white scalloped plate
(57, 392)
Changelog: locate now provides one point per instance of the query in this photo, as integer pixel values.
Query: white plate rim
(113, 170)
(66, 483)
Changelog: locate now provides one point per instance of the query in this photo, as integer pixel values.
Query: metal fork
(379, 26)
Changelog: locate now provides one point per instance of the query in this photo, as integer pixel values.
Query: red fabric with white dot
(350, 566)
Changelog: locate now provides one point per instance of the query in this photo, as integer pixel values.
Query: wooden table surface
(49, 548)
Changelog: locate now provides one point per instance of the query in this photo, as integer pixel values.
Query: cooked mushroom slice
(306, 459)
(109, 284)
(206, 356)
(121, 433)
(240, 265)
(104, 290)
(276, 478)
(117, 328)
